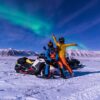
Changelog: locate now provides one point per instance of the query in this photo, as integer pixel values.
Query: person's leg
(62, 70)
(60, 64)
(47, 70)
(63, 60)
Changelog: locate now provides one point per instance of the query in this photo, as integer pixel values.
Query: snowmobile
(74, 63)
(40, 63)
(22, 66)
(34, 68)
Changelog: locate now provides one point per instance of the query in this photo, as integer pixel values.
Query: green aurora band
(39, 27)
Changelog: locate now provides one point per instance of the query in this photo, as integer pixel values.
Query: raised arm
(73, 44)
(55, 40)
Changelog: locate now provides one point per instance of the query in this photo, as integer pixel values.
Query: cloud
(77, 13)
(84, 26)
(53, 8)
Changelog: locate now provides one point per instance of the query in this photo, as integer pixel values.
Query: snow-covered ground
(84, 86)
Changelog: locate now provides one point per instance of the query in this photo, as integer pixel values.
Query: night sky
(29, 24)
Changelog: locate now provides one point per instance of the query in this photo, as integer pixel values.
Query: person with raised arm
(62, 52)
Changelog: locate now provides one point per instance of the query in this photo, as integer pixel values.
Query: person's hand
(53, 35)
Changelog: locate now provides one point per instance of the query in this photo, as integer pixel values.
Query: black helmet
(61, 40)
(50, 44)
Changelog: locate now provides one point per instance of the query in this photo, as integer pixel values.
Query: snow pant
(64, 62)
(47, 70)
(62, 70)
(59, 66)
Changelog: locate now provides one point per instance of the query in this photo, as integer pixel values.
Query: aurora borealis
(29, 24)
(22, 19)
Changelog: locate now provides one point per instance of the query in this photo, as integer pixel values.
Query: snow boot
(63, 74)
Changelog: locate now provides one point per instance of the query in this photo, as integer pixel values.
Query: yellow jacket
(62, 47)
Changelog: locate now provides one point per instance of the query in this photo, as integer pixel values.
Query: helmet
(61, 40)
(50, 44)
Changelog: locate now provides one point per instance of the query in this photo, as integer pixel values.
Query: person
(62, 52)
(52, 59)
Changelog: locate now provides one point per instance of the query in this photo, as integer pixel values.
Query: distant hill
(72, 53)
(83, 53)
(14, 52)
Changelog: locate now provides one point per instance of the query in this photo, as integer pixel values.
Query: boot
(63, 74)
